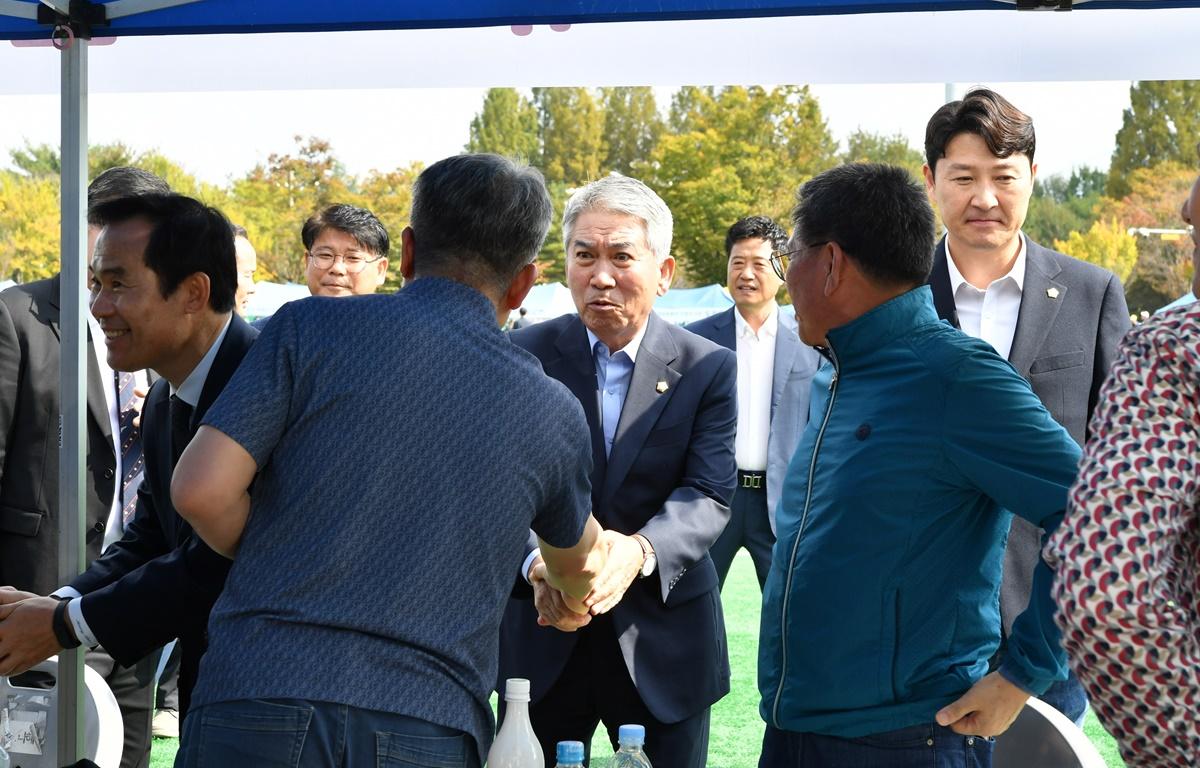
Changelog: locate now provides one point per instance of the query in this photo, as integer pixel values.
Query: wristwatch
(649, 559)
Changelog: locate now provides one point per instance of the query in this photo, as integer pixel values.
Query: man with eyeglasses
(773, 375)
(345, 251)
(880, 611)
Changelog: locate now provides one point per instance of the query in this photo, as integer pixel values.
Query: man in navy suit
(163, 292)
(1058, 320)
(661, 407)
(774, 373)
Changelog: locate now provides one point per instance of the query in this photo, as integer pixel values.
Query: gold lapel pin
(1052, 293)
(660, 387)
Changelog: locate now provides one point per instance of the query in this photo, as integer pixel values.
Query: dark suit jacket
(160, 581)
(670, 477)
(1064, 345)
(30, 355)
(795, 364)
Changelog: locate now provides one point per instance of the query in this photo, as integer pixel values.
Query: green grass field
(736, 728)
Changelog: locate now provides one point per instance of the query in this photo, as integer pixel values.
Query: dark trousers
(595, 688)
(292, 733)
(918, 746)
(750, 527)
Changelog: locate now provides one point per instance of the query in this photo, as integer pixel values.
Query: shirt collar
(1016, 273)
(630, 349)
(768, 330)
(189, 391)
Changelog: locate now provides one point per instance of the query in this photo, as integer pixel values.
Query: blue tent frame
(240, 16)
(19, 20)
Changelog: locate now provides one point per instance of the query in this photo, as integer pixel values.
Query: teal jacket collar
(891, 320)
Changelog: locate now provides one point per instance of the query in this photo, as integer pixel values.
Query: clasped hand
(26, 630)
(622, 564)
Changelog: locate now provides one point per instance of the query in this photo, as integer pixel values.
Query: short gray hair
(479, 214)
(620, 194)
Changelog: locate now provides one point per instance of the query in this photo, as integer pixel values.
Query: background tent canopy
(227, 16)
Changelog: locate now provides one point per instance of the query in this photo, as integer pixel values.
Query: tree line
(713, 154)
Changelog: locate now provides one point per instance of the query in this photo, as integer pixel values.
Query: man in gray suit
(29, 410)
(774, 374)
(1058, 320)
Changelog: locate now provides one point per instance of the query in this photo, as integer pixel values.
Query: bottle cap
(569, 752)
(516, 689)
(632, 734)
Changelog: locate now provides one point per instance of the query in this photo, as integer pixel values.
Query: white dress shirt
(755, 375)
(989, 314)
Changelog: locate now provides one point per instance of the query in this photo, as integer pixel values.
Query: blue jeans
(291, 733)
(927, 746)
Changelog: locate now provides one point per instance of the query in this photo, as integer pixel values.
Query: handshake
(612, 564)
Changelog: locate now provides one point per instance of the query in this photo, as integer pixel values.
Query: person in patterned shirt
(1128, 551)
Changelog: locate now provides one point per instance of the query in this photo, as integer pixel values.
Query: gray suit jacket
(1072, 317)
(795, 364)
(30, 353)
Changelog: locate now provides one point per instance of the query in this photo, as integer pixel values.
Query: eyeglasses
(781, 259)
(354, 261)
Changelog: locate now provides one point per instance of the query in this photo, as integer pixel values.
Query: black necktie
(181, 427)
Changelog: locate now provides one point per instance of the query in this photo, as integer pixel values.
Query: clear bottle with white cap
(516, 745)
(630, 740)
(569, 754)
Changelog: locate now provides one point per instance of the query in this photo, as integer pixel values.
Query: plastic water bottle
(631, 739)
(569, 754)
(5, 736)
(516, 745)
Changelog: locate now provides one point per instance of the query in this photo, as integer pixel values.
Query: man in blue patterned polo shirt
(373, 562)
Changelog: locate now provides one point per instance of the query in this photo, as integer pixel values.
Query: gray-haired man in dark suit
(1058, 320)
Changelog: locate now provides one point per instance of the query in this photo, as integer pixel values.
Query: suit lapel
(726, 333)
(644, 401)
(787, 349)
(939, 283)
(1038, 307)
(233, 348)
(575, 368)
(96, 399)
(53, 311)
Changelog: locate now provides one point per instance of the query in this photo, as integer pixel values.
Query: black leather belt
(755, 480)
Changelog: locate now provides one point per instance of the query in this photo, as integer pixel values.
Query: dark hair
(756, 228)
(118, 182)
(985, 113)
(357, 222)
(187, 237)
(879, 216)
(483, 217)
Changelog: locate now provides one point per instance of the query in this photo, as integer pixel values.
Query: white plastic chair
(1043, 737)
(104, 731)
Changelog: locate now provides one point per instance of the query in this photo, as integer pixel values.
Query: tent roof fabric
(239, 16)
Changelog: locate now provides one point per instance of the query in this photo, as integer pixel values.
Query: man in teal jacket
(881, 607)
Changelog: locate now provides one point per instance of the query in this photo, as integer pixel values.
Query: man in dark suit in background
(660, 404)
(30, 353)
(163, 291)
(774, 374)
(1058, 320)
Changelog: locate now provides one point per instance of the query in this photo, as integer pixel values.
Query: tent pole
(74, 110)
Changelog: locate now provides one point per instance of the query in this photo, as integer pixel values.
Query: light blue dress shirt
(613, 374)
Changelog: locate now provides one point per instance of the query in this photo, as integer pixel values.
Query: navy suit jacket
(670, 477)
(160, 581)
(791, 382)
(1072, 318)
